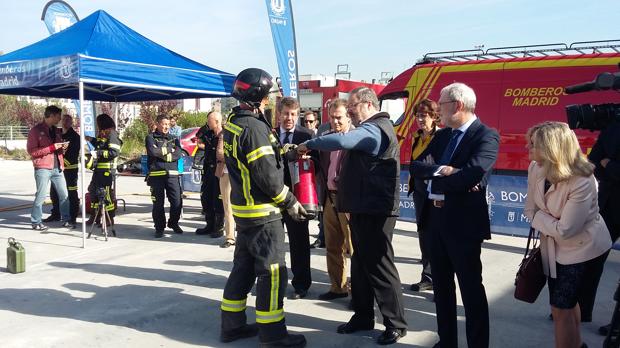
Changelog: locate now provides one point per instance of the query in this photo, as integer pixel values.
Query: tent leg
(82, 164)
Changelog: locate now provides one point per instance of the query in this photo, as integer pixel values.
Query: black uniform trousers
(425, 250)
(460, 257)
(299, 244)
(71, 178)
(102, 179)
(259, 256)
(373, 273)
(210, 196)
(171, 187)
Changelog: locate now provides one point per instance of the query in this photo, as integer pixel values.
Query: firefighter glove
(297, 212)
(290, 152)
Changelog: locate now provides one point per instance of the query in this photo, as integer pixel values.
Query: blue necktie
(287, 138)
(447, 154)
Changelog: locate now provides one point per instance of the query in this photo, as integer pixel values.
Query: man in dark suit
(458, 163)
(606, 157)
(298, 235)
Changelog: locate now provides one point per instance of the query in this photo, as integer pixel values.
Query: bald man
(214, 210)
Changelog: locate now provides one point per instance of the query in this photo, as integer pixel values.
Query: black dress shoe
(241, 332)
(51, 218)
(390, 336)
(352, 327)
(290, 341)
(317, 244)
(298, 294)
(328, 296)
(176, 228)
(421, 286)
(159, 234)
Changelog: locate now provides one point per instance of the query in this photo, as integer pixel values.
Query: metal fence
(13, 132)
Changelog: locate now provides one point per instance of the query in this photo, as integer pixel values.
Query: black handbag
(530, 279)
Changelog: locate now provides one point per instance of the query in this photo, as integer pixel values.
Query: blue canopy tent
(101, 59)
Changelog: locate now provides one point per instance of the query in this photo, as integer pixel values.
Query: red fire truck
(516, 87)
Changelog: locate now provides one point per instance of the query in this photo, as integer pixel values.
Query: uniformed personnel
(258, 196)
(163, 151)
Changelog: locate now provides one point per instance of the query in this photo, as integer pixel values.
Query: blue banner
(39, 72)
(283, 32)
(506, 197)
(57, 16)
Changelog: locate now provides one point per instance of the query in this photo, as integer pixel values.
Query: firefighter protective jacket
(72, 155)
(164, 151)
(254, 165)
(108, 148)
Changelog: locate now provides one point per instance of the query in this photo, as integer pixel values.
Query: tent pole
(116, 113)
(82, 163)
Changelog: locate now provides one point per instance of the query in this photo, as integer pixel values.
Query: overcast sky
(370, 36)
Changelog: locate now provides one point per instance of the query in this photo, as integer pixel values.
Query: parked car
(189, 141)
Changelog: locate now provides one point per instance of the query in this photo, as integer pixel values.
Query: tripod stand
(103, 215)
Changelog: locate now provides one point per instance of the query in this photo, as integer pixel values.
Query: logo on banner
(278, 7)
(65, 68)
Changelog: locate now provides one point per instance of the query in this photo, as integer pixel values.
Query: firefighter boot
(287, 341)
(218, 226)
(245, 331)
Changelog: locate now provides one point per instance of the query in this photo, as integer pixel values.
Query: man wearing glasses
(368, 190)
(310, 121)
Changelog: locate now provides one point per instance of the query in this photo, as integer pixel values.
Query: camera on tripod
(594, 117)
(100, 193)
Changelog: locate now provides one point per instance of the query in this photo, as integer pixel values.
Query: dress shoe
(227, 243)
(176, 228)
(289, 341)
(604, 330)
(39, 227)
(216, 234)
(352, 327)
(328, 296)
(51, 218)
(390, 336)
(159, 234)
(241, 332)
(421, 286)
(202, 231)
(298, 294)
(317, 244)
(68, 224)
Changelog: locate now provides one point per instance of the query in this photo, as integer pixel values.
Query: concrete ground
(136, 291)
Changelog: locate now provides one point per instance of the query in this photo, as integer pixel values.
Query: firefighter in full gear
(71, 160)
(164, 151)
(258, 196)
(103, 160)
(210, 196)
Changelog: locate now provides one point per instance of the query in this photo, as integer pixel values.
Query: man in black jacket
(606, 157)
(458, 163)
(163, 152)
(368, 190)
(298, 234)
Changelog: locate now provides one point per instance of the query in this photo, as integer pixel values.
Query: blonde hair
(559, 151)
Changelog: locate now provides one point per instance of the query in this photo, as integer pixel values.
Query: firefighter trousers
(259, 256)
(101, 183)
(162, 186)
(71, 178)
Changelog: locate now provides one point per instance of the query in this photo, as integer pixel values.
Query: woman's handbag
(530, 279)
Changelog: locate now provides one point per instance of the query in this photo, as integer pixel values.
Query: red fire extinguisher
(302, 179)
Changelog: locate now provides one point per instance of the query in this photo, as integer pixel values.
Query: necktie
(287, 138)
(447, 154)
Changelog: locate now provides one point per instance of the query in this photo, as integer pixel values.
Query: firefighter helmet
(252, 86)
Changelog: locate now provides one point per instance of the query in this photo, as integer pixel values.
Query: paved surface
(135, 291)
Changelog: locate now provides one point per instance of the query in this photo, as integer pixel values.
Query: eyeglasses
(309, 121)
(423, 114)
(356, 104)
(447, 102)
